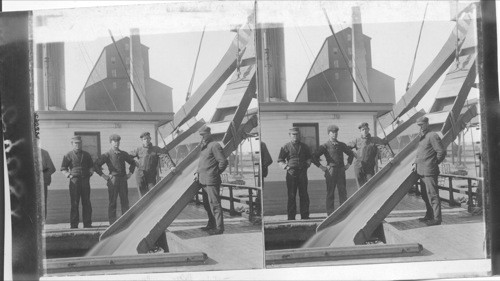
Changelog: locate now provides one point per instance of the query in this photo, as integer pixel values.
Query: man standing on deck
(210, 166)
(334, 151)
(48, 169)
(117, 179)
(367, 148)
(77, 166)
(148, 161)
(430, 153)
(295, 158)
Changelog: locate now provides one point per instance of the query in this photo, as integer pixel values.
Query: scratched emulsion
(360, 211)
(126, 241)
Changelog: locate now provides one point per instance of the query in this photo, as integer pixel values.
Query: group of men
(295, 157)
(78, 166)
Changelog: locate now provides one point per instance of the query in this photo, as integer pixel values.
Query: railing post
(469, 189)
(232, 212)
(250, 201)
(452, 202)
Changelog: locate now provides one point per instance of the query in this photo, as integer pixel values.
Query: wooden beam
(364, 234)
(343, 227)
(241, 110)
(432, 73)
(184, 135)
(174, 210)
(342, 253)
(403, 126)
(80, 264)
(214, 81)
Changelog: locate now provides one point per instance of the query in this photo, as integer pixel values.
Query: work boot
(215, 231)
(207, 227)
(424, 219)
(433, 222)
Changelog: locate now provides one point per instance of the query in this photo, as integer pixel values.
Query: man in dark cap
(295, 158)
(148, 162)
(211, 164)
(334, 151)
(117, 179)
(430, 153)
(367, 150)
(77, 165)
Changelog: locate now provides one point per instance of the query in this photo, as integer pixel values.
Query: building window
(113, 59)
(309, 134)
(114, 85)
(335, 51)
(91, 142)
(337, 76)
(349, 37)
(336, 63)
(349, 51)
(113, 72)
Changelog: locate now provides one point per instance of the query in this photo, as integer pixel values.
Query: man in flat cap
(334, 151)
(148, 162)
(295, 158)
(211, 164)
(117, 179)
(367, 150)
(77, 166)
(430, 153)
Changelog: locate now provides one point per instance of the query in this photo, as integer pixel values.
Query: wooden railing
(449, 178)
(252, 194)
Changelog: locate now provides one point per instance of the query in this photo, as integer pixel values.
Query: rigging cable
(188, 95)
(410, 77)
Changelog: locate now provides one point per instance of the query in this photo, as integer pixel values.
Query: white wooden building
(58, 127)
(313, 119)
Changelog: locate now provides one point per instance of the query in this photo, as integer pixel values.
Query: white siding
(274, 132)
(55, 137)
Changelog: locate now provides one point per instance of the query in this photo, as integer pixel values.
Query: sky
(172, 33)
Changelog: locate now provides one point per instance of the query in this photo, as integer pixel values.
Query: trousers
(117, 186)
(296, 180)
(430, 195)
(211, 203)
(79, 188)
(335, 178)
(362, 176)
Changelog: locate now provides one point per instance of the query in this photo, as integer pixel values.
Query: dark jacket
(334, 154)
(47, 167)
(78, 164)
(211, 163)
(115, 161)
(149, 158)
(430, 153)
(367, 150)
(266, 159)
(295, 156)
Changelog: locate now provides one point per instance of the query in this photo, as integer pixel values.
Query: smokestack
(359, 66)
(51, 76)
(271, 62)
(137, 73)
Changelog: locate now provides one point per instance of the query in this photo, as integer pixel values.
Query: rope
(410, 77)
(188, 95)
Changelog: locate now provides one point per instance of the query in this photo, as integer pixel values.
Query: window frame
(315, 126)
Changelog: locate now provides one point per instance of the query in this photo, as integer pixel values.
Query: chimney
(137, 73)
(358, 60)
(271, 63)
(51, 76)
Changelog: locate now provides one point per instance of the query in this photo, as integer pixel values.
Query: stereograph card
(249, 140)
